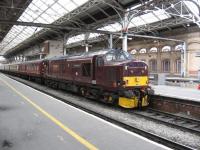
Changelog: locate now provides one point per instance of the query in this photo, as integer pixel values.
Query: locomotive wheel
(83, 92)
(115, 100)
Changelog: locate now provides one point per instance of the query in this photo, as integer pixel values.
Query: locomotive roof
(83, 55)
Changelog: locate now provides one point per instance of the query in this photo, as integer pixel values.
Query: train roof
(83, 55)
(40, 60)
(25, 62)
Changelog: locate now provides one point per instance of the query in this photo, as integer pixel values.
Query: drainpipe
(184, 61)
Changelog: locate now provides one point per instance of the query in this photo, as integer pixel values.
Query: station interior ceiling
(27, 22)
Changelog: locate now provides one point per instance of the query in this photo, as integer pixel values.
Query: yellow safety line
(53, 119)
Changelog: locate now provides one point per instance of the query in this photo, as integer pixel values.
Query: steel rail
(179, 122)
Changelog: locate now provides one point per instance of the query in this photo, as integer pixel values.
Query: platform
(33, 120)
(177, 92)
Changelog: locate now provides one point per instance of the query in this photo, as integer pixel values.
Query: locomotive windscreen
(117, 55)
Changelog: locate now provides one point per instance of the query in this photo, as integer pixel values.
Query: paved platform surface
(177, 92)
(32, 120)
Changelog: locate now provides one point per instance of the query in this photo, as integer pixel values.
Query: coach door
(44, 68)
(99, 71)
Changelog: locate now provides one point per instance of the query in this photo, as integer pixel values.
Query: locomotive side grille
(111, 74)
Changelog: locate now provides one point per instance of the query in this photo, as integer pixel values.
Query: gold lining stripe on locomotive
(135, 81)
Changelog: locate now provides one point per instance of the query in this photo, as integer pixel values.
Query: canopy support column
(125, 32)
(110, 41)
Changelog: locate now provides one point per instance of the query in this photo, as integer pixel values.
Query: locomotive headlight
(126, 67)
(145, 67)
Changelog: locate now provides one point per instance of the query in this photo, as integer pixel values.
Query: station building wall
(47, 49)
(55, 48)
(167, 57)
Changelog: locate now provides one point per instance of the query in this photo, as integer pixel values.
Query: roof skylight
(39, 11)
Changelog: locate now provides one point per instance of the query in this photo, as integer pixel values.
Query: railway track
(179, 122)
(159, 139)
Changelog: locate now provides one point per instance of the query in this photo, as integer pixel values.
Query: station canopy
(41, 11)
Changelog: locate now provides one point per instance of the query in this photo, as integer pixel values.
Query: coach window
(86, 69)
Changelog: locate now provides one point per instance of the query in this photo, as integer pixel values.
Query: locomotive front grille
(135, 81)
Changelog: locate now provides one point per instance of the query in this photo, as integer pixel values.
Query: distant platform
(177, 92)
(33, 120)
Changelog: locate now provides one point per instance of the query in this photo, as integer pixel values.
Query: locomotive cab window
(110, 57)
(100, 61)
(86, 69)
(117, 55)
(122, 57)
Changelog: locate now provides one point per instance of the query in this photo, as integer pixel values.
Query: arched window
(153, 50)
(166, 49)
(179, 47)
(133, 52)
(166, 65)
(143, 50)
(153, 65)
(178, 65)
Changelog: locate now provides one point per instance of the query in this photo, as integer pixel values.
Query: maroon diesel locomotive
(111, 76)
